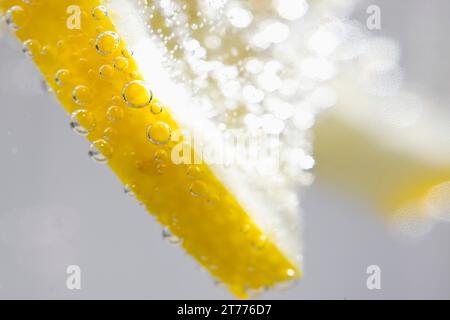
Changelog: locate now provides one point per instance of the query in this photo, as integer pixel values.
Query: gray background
(57, 207)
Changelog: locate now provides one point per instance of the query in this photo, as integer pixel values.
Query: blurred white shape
(438, 202)
(410, 223)
(318, 68)
(239, 17)
(402, 111)
(291, 9)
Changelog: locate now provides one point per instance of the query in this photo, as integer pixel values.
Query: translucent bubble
(107, 42)
(260, 242)
(156, 108)
(198, 189)
(120, 63)
(159, 133)
(81, 95)
(31, 47)
(106, 71)
(128, 190)
(137, 94)
(127, 53)
(110, 134)
(169, 237)
(99, 12)
(194, 172)
(62, 77)
(82, 122)
(246, 228)
(12, 17)
(100, 151)
(161, 155)
(115, 113)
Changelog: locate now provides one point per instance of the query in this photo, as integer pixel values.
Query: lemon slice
(398, 161)
(107, 74)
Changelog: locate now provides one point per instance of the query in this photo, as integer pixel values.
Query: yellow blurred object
(85, 60)
(394, 167)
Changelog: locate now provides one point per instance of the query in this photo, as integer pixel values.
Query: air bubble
(82, 122)
(127, 53)
(100, 151)
(110, 134)
(120, 63)
(128, 190)
(198, 189)
(161, 155)
(169, 237)
(194, 172)
(156, 108)
(106, 71)
(31, 47)
(62, 77)
(12, 17)
(81, 95)
(99, 12)
(260, 242)
(159, 133)
(115, 113)
(107, 42)
(245, 228)
(137, 94)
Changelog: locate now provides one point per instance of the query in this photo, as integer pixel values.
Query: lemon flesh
(86, 61)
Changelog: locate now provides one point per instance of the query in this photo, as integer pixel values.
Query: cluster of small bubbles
(82, 122)
(169, 237)
(137, 94)
(251, 69)
(11, 17)
(107, 42)
(62, 77)
(100, 151)
(159, 133)
(99, 12)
